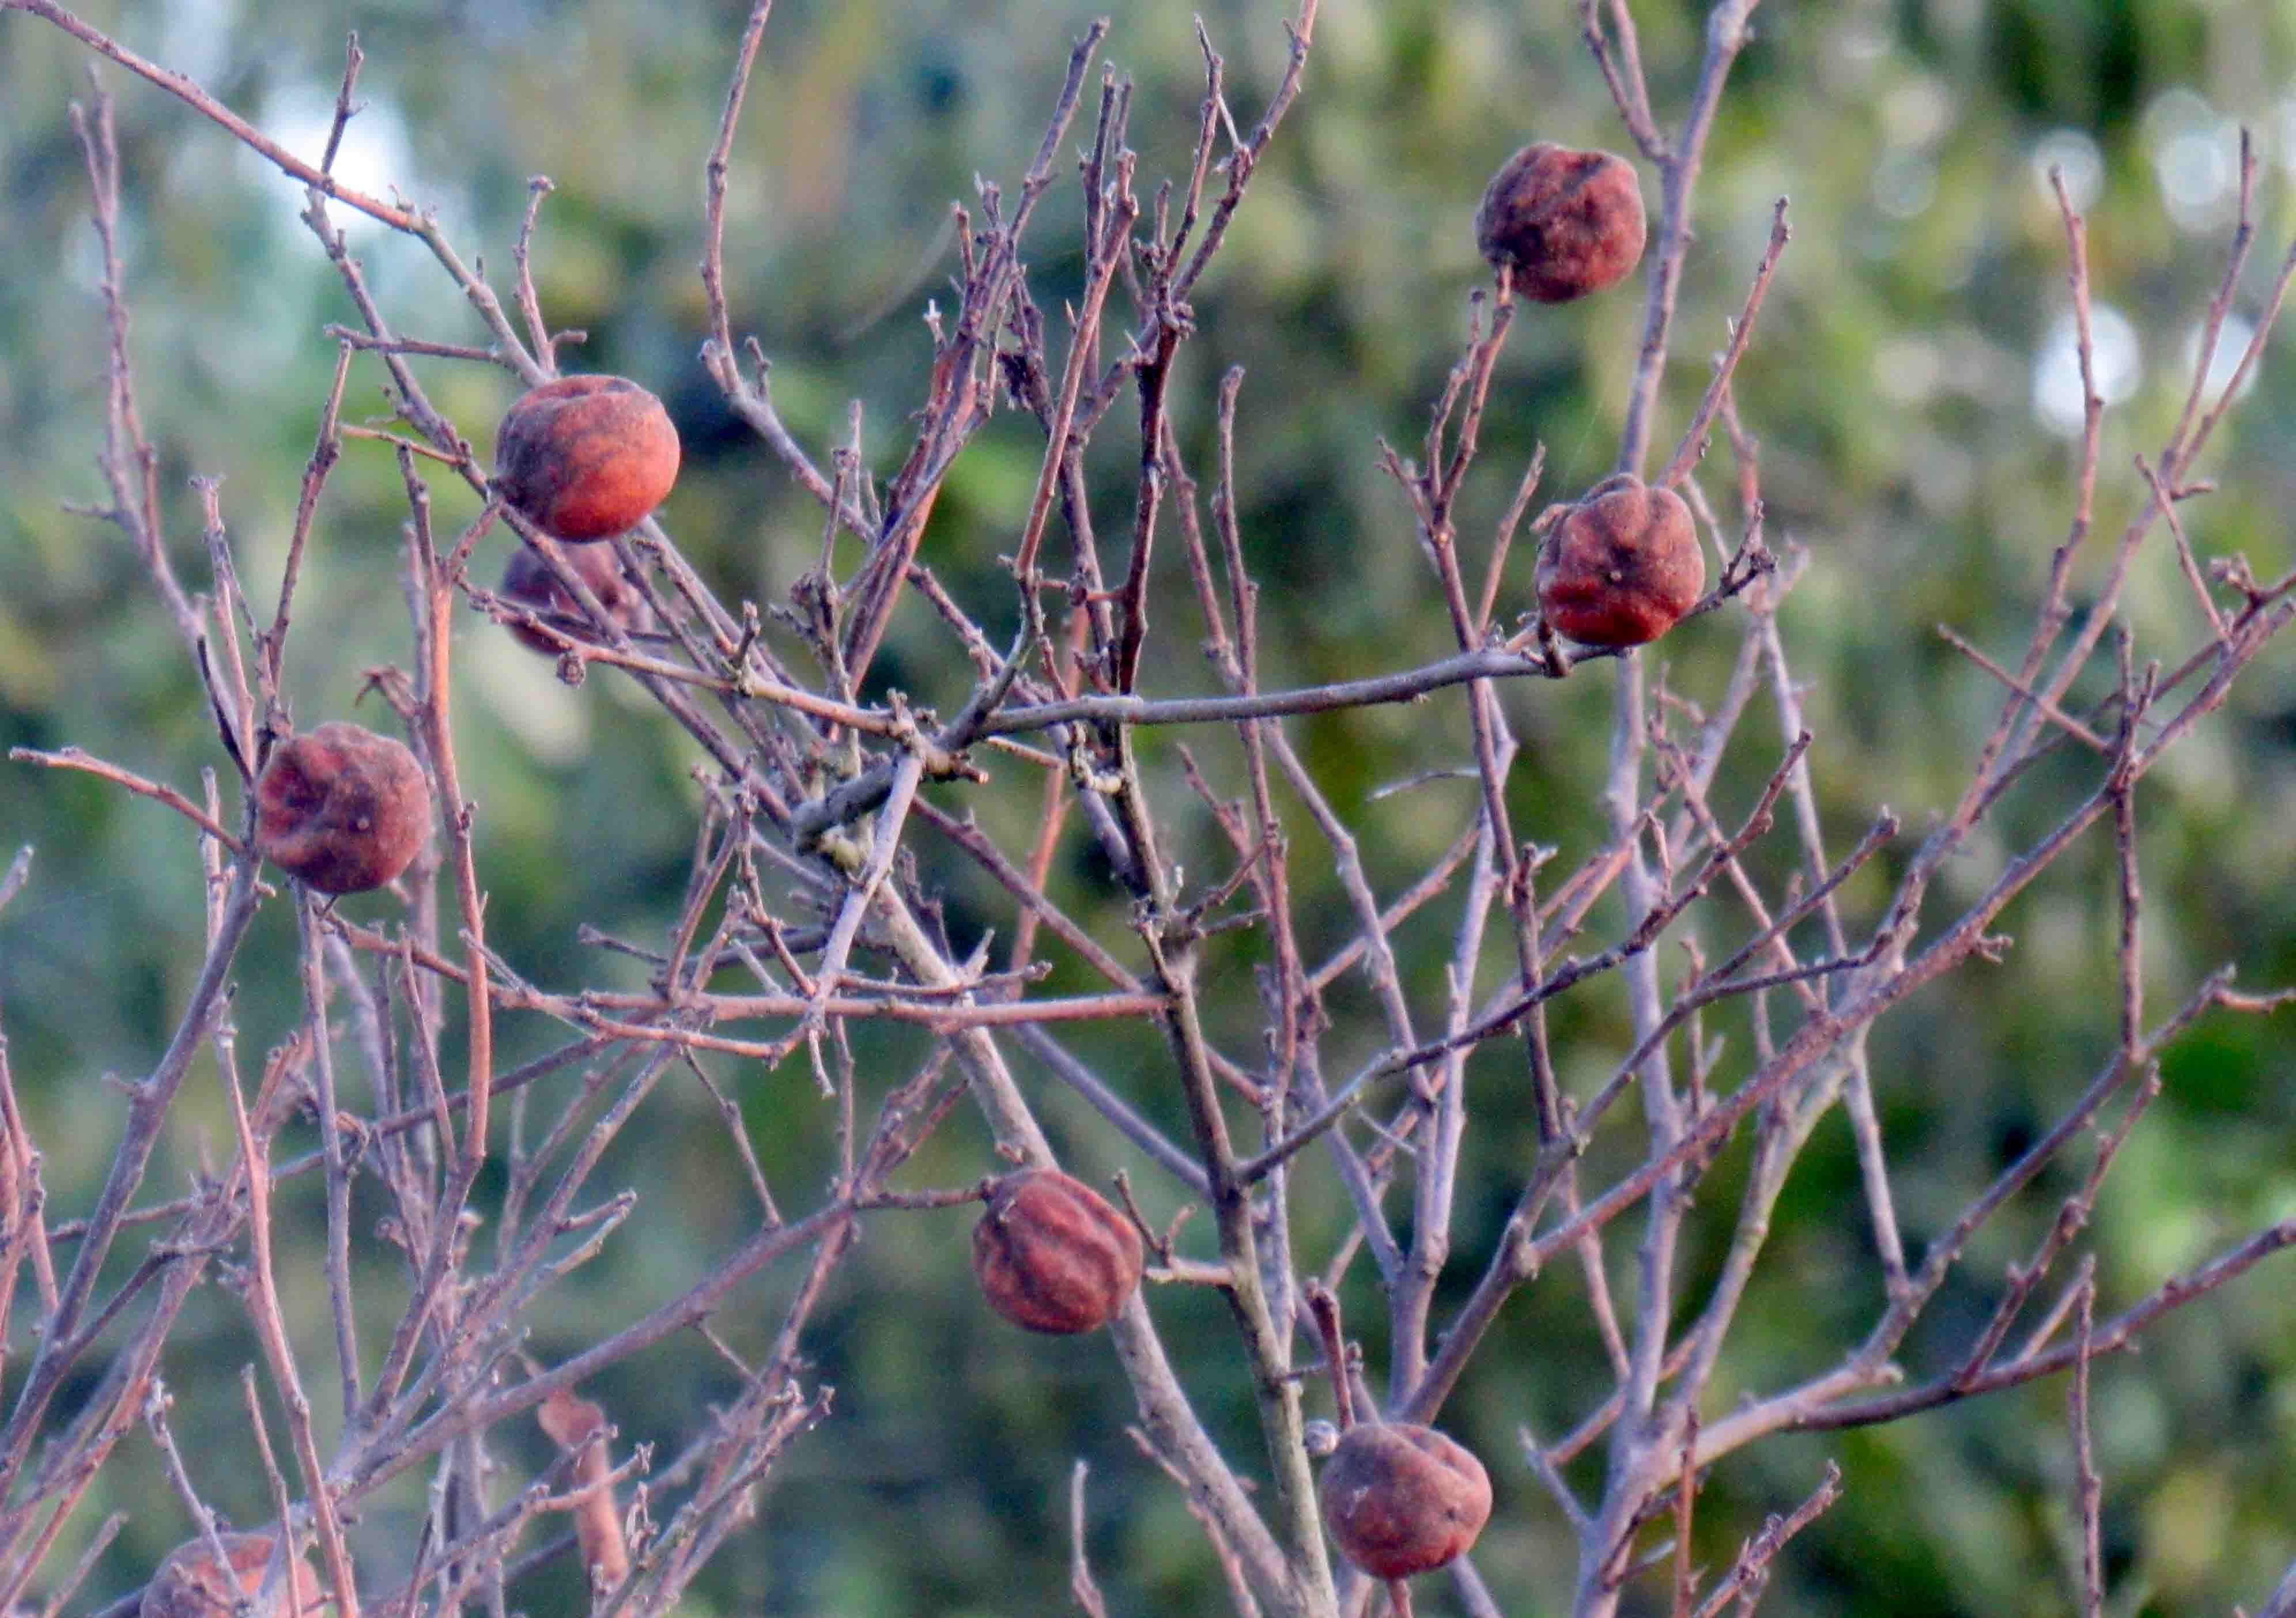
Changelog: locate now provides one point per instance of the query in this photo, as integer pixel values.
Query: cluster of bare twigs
(797, 881)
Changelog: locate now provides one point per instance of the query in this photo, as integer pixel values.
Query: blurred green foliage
(1892, 387)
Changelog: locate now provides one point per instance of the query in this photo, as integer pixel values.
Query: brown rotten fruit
(1622, 566)
(586, 457)
(1569, 222)
(1402, 1499)
(190, 1585)
(1052, 1256)
(341, 808)
(529, 581)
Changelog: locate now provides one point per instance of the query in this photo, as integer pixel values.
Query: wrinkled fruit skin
(1401, 1500)
(529, 581)
(1052, 1256)
(1622, 566)
(586, 457)
(189, 1584)
(341, 808)
(1569, 223)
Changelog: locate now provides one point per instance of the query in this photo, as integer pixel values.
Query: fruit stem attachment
(1325, 1307)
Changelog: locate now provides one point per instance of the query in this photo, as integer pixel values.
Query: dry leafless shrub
(816, 793)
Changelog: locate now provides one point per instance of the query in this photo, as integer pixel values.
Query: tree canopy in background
(1914, 392)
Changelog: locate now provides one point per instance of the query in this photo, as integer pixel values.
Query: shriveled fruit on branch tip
(529, 581)
(342, 809)
(1569, 222)
(189, 1584)
(1052, 1255)
(1402, 1499)
(1622, 566)
(586, 457)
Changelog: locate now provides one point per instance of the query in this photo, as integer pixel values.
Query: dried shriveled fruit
(1402, 1499)
(1622, 566)
(1569, 223)
(189, 1583)
(578, 1428)
(341, 808)
(586, 457)
(529, 581)
(1052, 1255)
